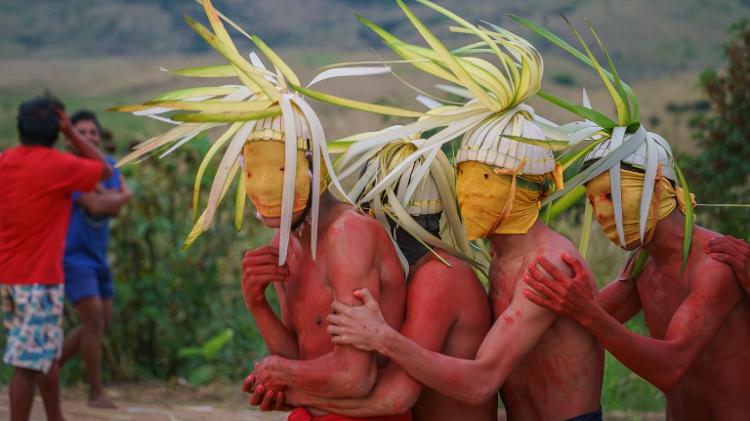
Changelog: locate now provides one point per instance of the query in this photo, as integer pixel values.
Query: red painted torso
(464, 296)
(717, 384)
(561, 377)
(309, 294)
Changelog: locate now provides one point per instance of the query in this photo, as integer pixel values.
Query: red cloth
(302, 414)
(36, 184)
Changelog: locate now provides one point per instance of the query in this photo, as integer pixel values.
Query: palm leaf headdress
(497, 126)
(615, 141)
(262, 107)
(418, 192)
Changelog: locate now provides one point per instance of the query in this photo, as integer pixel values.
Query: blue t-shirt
(88, 235)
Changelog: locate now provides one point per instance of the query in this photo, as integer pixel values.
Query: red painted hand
(735, 253)
(265, 392)
(362, 327)
(260, 268)
(551, 288)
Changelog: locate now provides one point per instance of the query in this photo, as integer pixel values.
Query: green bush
(720, 171)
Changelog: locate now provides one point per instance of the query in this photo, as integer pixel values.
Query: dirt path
(156, 402)
(159, 402)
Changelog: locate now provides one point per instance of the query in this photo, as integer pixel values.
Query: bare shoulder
(352, 223)
(439, 277)
(706, 274)
(553, 249)
(356, 240)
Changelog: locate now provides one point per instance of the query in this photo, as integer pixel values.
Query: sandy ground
(159, 402)
(156, 402)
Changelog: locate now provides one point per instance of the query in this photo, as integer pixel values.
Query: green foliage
(201, 359)
(720, 171)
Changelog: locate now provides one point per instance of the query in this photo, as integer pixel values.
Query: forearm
(88, 150)
(619, 300)
(278, 338)
(329, 376)
(394, 393)
(106, 204)
(468, 381)
(659, 362)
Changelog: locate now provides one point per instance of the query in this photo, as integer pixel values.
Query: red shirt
(36, 184)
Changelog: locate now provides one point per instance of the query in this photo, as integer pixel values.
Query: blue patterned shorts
(32, 315)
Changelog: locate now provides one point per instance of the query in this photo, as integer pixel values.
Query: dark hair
(82, 115)
(38, 122)
(412, 248)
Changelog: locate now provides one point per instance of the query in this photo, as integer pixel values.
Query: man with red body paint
(698, 349)
(547, 366)
(353, 251)
(446, 312)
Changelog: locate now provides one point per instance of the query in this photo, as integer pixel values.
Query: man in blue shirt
(88, 280)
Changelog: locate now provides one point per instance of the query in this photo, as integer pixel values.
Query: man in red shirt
(35, 203)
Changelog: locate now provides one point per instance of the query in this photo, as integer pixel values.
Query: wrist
(256, 301)
(277, 369)
(386, 343)
(588, 314)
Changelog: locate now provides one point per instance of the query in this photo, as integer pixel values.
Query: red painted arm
(620, 299)
(514, 333)
(260, 267)
(427, 324)
(345, 371)
(661, 361)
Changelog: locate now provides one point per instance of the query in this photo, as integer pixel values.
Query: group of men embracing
(355, 340)
(377, 272)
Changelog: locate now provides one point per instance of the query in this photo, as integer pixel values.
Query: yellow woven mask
(663, 202)
(494, 203)
(264, 177)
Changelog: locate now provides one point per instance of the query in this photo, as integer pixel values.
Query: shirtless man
(697, 351)
(353, 252)
(326, 248)
(548, 367)
(446, 311)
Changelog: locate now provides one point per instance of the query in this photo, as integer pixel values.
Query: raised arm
(427, 324)
(86, 149)
(661, 361)
(514, 333)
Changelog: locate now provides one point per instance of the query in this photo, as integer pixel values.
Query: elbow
(362, 387)
(358, 383)
(479, 394)
(670, 378)
(400, 404)
(94, 209)
(106, 172)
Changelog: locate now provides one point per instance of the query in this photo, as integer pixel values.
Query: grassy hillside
(100, 83)
(648, 37)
